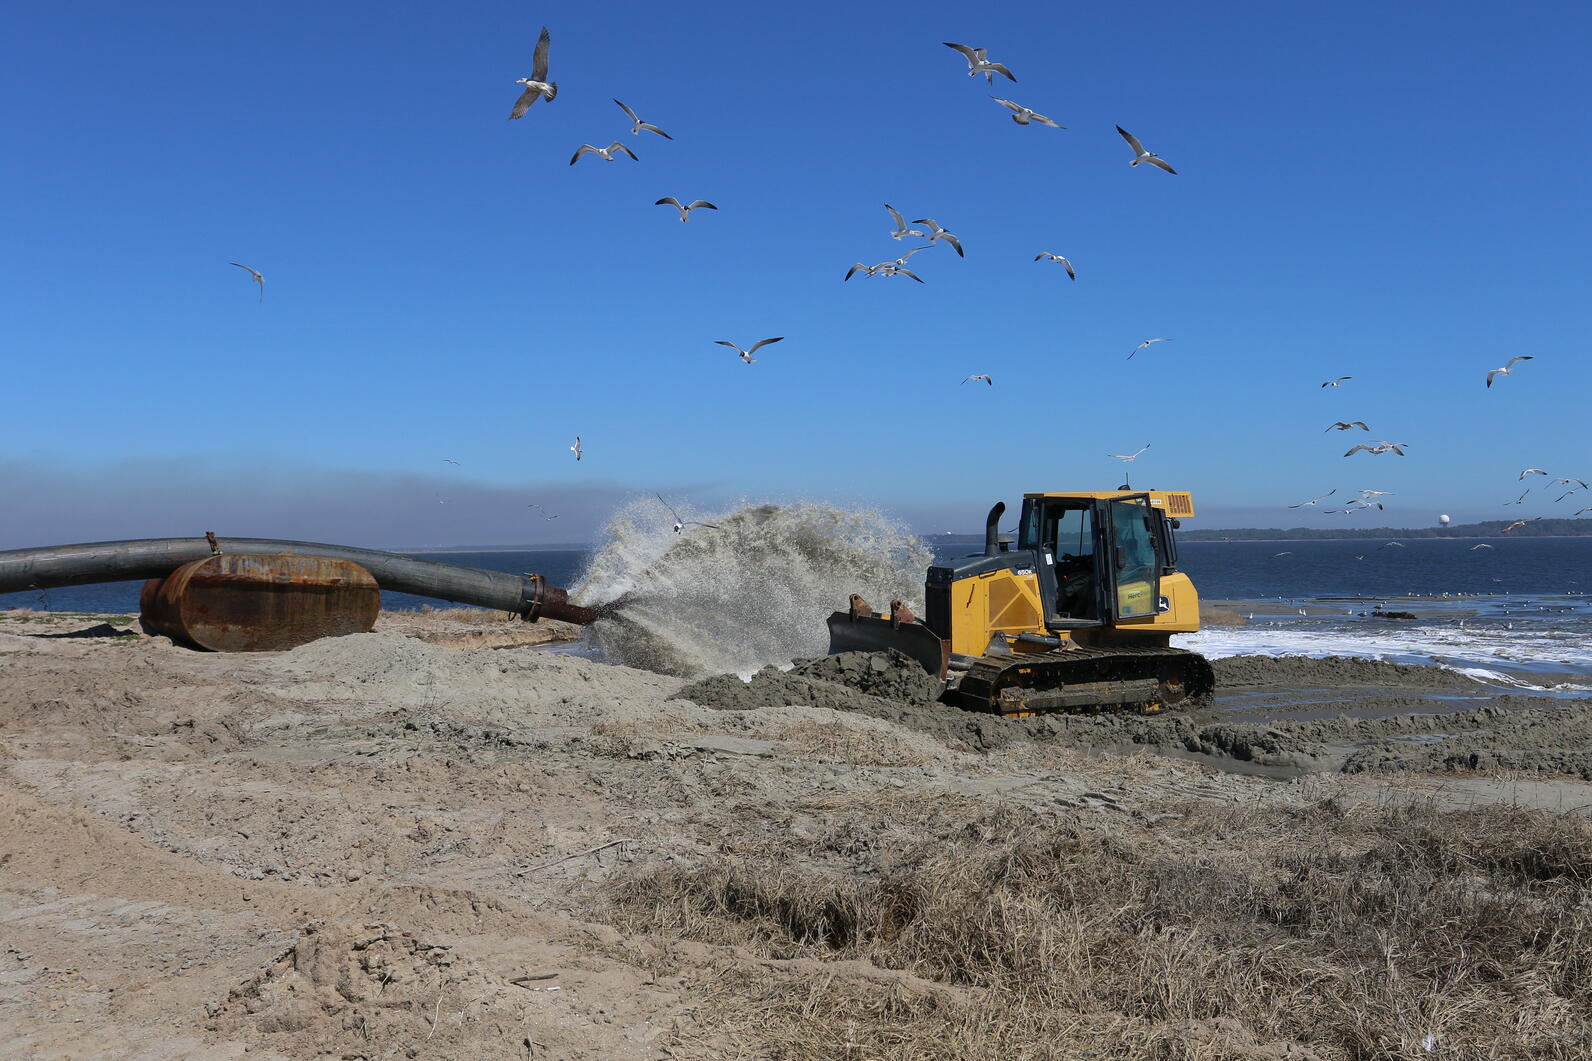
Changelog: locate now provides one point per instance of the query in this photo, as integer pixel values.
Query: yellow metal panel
(999, 601)
(1178, 503)
(1183, 617)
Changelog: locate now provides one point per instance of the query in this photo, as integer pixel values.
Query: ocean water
(1516, 613)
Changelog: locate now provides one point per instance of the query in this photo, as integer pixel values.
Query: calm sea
(1516, 611)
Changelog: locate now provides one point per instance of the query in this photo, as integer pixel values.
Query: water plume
(752, 589)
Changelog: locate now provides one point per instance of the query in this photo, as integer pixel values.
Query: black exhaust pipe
(992, 533)
(75, 565)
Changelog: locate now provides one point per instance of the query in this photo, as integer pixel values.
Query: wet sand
(361, 847)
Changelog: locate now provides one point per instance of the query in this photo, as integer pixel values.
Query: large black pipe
(992, 533)
(78, 565)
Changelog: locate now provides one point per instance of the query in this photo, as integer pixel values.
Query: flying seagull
(1376, 493)
(536, 86)
(1507, 366)
(544, 514)
(1285, 552)
(891, 269)
(1336, 382)
(681, 524)
(970, 379)
(858, 267)
(1022, 115)
(253, 275)
(1392, 545)
(1473, 548)
(1312, 501)
(1129, 458)
(1380, 447)
(607, 153)
(685, 209)
(1517, 500)
(1142, 345)
(746, 355)
(901, 230)
(1520, 523)
(640, 125)
(575, 449)
(1531, 471)
(1140, 154)
(1345, 425)
(940, 233)
(1572, 479)
(978, 63)
(1581, 510)
(449, 460)
(1058, 258)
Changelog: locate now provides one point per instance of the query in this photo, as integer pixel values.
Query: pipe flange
(535, 592)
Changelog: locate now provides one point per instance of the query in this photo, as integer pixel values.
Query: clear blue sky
(1396, 192)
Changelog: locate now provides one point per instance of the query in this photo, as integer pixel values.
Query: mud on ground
(409, 844)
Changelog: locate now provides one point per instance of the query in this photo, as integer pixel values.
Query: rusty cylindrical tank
(250, 602)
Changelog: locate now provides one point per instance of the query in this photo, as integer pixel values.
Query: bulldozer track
(1087, 679)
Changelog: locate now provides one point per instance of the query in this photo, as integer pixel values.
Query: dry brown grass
(836, 742)
(1233, 934)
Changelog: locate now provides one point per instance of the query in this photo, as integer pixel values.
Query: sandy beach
(441, 840)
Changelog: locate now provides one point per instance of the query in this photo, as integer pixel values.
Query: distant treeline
(1493, 528)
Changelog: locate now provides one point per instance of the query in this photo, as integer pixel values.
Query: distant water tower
(1443, 519)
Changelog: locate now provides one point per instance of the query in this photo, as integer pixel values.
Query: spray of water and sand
(751, 589)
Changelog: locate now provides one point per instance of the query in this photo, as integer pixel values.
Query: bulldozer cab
(1099, 559)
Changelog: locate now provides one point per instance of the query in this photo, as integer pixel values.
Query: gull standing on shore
(607, 153)
(746, 355)
(1072, 273)
(1507, 366)
(1141, 155)
(640, 125)
(1022, 115)
(1142, 345)
(253, 275)
(536, 86)
(685, 209)
(978, 63)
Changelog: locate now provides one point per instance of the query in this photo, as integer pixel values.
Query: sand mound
(890, 674)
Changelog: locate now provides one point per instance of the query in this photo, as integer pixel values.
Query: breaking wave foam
(751, 589)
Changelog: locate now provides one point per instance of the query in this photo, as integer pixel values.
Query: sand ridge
(358, 847)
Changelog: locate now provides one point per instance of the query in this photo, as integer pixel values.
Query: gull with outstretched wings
(606, 153)
(1141, 155)
(746, 355)
(685, 208)
(1065, 264)
(978, 63)
(1022, 115)
(536, 86)
(254, 275)
(1508, 365)
(640, 125)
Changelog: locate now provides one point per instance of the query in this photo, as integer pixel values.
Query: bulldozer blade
(864, 634)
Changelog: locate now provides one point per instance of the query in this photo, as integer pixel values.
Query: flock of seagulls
(539, 86)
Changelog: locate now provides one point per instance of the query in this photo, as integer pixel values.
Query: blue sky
(1393, 192)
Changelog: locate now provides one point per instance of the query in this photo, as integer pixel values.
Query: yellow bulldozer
(1076, 617)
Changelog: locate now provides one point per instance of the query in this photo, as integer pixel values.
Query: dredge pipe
(528, 596)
